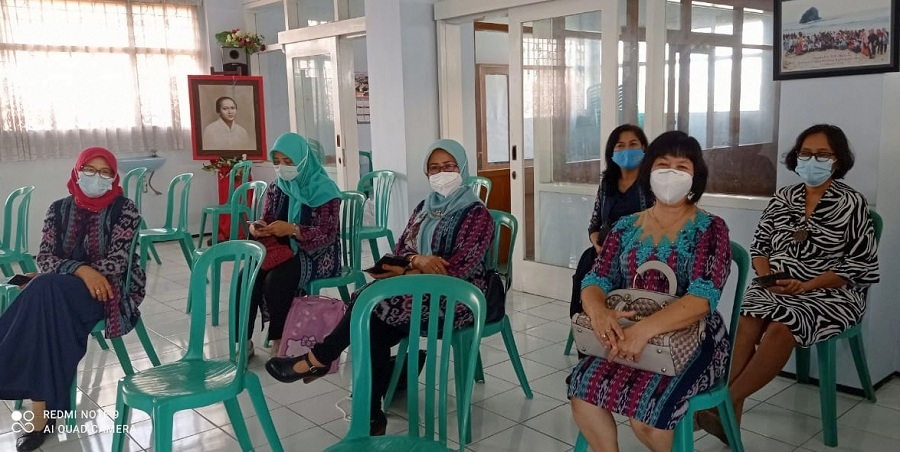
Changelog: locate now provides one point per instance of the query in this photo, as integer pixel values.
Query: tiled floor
(783, 416)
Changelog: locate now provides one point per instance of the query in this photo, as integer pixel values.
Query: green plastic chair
(133, 185)
(9, 292)
(436, 370)
(169, 231)
(239, 174)
(246, 205)
(379, 184)
(476, 183)
(462, 339)
(827, 356)
(14, 246)
(368, 156)
(352, 204)
(194, 382)
(719, 395)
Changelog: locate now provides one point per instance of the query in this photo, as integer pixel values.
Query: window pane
(314, 12)
(710, 18)
(496, 118)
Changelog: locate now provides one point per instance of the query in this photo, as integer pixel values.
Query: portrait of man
(225, 133)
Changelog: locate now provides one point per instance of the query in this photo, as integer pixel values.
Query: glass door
(563, 103)
(318, 83)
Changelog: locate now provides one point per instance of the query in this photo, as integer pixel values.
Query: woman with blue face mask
(820, 234)
(85, 257)
(300, 228)
(617, 196)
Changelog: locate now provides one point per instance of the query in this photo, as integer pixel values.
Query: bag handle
(660, 267)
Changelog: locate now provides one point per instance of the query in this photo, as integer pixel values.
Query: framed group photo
(227, 116)
(824, 38)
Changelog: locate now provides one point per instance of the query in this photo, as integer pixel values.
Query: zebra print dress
(841, 238)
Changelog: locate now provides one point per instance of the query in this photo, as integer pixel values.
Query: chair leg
(684, 434)
(29, 265)
(828, 391)
(373, 245)
(162, 420)
(237, 423)
(513, 351)
(862, 367)
(121, 420)
(203, 216)
(459, 368)
(390, 238)
(151, 247)
(801, 358)
(581, 444)
(345, 294)
(395, 375)
(99, 337)
(122, 354)
(730, 425)
(569, 342)
(142, 244)
(187, 248)
(18, 404)
(7, 270)
(479, 369)
(251, 383)
(145, 342)
(71, 417)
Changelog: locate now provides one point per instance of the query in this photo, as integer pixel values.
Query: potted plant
(249, 42)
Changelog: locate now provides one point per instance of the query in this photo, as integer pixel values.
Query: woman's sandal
(282, 369)
(33, 440)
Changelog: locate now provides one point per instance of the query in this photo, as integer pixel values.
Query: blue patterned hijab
(436, 205)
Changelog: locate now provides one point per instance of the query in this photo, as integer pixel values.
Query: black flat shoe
(378, 424)
(282, 369)
(33, 440)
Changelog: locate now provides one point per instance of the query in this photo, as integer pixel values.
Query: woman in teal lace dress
(695, 244)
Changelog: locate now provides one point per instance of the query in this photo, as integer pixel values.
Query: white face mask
(94, 186)
(286, 172)
(445, 182)
(670, 185)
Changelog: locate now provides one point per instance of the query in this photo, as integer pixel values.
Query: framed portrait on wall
(823, 38)
(227, 116)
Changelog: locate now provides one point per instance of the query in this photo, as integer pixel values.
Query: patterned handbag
(666, 353)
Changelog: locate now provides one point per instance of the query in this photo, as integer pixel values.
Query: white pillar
(402, 59)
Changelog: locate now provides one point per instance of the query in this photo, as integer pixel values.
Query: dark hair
(676, 144)
(613, 172)
(221, 99)
(836, 139)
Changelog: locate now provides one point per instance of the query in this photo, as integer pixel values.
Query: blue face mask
(628, 158)
(94, 186)
(814, 172)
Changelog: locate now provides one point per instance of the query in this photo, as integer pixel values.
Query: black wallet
(387, 259)
(770, 279)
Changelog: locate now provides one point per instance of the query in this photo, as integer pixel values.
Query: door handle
(338, 140)
(514, 154)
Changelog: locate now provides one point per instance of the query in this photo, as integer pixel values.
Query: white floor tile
(214, 440)
(752, 442)
(484, 424)
(513, 405)
(286, 423)
(504, 370)
(316, 438)
(874, 419)
(851, 439)
(517, 438)
(556, 423)
(774, 387)
(186, 423)
(805, 399)
(320, 409)
(781, 424)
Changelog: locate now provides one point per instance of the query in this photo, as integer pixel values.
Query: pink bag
(310, 319)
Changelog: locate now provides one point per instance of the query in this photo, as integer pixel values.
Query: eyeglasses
(104, 173)
(821, 157)
(445, 168)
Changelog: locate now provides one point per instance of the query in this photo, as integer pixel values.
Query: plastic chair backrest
(246, 257)
(352, 205)
(368, 156)
(381, 183)
(133, 185)
(239, 174)
(19, 219)
(741, 258)
(183, 180)
(476, 182)
(436, 287)
(492, 258)
(246, 205)
(877, 223)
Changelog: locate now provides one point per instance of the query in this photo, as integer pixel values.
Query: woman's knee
(779, 331)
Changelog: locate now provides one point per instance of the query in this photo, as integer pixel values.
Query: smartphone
(19, 280)
(387, 259)
(769, 280)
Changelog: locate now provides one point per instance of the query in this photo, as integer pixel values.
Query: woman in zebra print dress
(818, 232)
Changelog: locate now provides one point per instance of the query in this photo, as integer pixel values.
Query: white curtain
(75, 74)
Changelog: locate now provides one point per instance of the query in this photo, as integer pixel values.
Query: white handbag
(666, 353)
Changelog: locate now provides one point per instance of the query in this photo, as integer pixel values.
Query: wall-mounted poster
(227, 116)
(362, 97)
(823, 38)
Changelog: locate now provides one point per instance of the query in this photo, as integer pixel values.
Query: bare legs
(38, 408)
(755, 366)
(599, 428)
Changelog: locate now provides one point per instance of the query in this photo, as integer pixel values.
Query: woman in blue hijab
(448, 234)
(300, 229)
